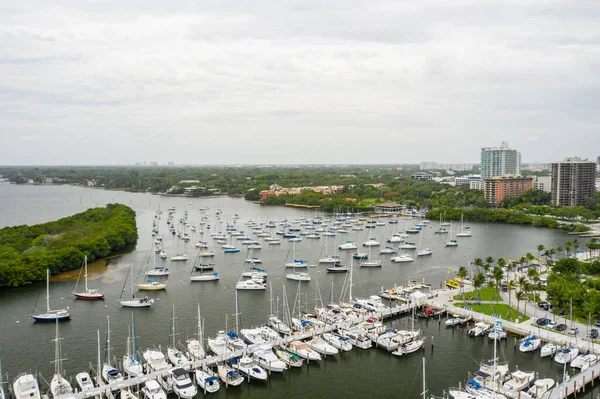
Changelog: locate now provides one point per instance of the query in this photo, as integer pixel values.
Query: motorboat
(497, 333)
(360, 255)
(253, 336)
(177, 357)
(251, 284)
(248, 367)
(357, 338)
(519, 380)
(268, 360)
(276, 324)
(207, 253)
(207, 380)
(479, 329)
(26, 387)
(297, 263)
(323, 347)
(409, 347)
(424, 252)
(179, 258)
(155, 361)
(566, 355)
(231, 250)
(401, 258)
(303, 350)
(584, 361)
(298, 276)
(348, 245)
(182, 384)
(330, 259)
(371, 263)
(451, 243)
(218, 345)
(529, 343)
(453, 321)
(395, 239)
(229, 375)
(338, 342)
(540, 387)
(84, 381)
(548, 349)
(289, 358)
(153, 390)
(268, 333)
(254, 261)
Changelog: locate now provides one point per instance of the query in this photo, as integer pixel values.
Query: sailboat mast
(199, 325)
(56, 352)
(99, 365)
(135, 342)
(350, 282)
(85, 265)
(237, 313)
(271, 298)
(108, 340)
(424, 386)
(47, 290)
(173, 327)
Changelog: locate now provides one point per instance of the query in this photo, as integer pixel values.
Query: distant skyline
(290, 82)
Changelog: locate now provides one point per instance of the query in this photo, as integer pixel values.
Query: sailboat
(296, 263)
(143, 302)
(158, 270)
(462, 232)
(176, 357)
(274, 321)
(449, 241)
(59, 386)
(368, 262)
(51, 315)
(131, 359)
(109, 373)
(335, 259)
(179, 256)
(195, 346)
(425, 251)
(89, 293)
(2, 396)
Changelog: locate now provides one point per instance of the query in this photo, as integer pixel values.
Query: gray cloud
(105, 82)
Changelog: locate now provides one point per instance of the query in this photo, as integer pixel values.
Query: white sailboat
(425, 251)
(150, 285)
(110, 374)
(175, 356)
(462, 231)
(207, 380)
(450, 242)
(296, 263)
(51, 315)
(195, 346)
(88, 293)
(131, 360)
(59, 386)
(208, 276)
(368, 262)
(143, 302)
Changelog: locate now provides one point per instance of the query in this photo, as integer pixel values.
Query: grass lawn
(502, 309)
(487, 294)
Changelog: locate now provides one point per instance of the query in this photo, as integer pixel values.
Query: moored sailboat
(51, 315)
(88, 293)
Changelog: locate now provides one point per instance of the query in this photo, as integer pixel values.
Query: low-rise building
(498, 188)
(542, 183)
(466, 180)
(421, 176)
(476, 185)
(389, 207)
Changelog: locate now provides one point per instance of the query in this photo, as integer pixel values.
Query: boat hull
(50, 317)
(88, 296)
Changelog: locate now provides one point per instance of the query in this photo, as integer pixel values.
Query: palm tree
(510, 287)
(520, 296)
(462, 273)
(497, 275)
(559, 249)
(489, 260)
(477, 262)
(478, 282)
(510, 266)
(525, 290)
(568, 246)
(501, 263)
(522, 261)
(533, 277)
(575, 246)
(540, 248)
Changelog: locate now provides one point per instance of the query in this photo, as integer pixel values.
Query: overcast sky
(304, 81)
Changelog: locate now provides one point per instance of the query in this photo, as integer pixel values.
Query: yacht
(89, 293)
(26, 387)
(249, 368)
(519, 380)
(338, 341)
(84, 381)
(548, 349)
(584, 361)
(303, 350)
(254, 260)
(298, 276)
(181, 383)
(371, 242)
(408, 245)
(51, 315)
(155, 361)
(479, 329)
(158, 271)
(337, 269)
(540, 387)
(529, 343)
(424, 252)
(179, 258)
(205, 277)
(207, 380)
(153, 390)
(289, 358)
(268, 360)
(251, 284)
(218, 345)
(409, 347)
(357, 338)
(323, 347)
(330, 259)
(387, 250)
(276, 324)
(395, 238)
(152, 285)
(256, 273)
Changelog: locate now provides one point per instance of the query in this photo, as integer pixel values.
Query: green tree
(462, 273)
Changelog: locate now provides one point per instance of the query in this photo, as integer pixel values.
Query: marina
(218, 301)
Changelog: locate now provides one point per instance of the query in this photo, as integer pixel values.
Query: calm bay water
(27, 346)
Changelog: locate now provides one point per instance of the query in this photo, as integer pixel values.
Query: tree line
(27, 251)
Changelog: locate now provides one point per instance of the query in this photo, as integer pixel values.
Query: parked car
(562, 313)
(574, 331)
(551, 325)
(597, 324)
(542, 321)
(561, 327)
(594, 333)
(543, 304)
